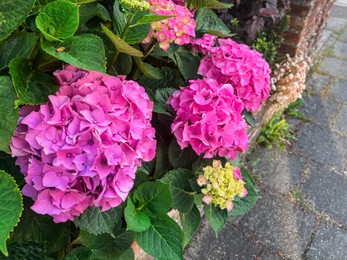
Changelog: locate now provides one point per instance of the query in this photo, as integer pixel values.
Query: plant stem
(149, 48)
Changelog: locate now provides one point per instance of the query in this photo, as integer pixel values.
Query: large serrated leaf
(162, 240)
(19, 45)
(212, 4)
(12, 14)
(95, 221)
(243, 205)
(208, 22)
(136, 220)
(150, 18)
(187, 63)
(58, 20)
(182, 194)
(216, 217)
(11, 208)
(153, 198)
(31, 87)
(181, 158)
(120, 44)
(138, 33)
(105, 246)
(25, 250)
(8, 113)
(86, 51)
(79, 253)
(119, 19)
(190, 223)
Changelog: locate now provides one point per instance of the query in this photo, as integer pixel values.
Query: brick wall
(307, 21)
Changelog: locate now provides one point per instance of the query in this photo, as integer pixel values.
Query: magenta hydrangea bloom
(83, 147)
(203, 44)
(179, 28)
(208, 117)
(243, 68)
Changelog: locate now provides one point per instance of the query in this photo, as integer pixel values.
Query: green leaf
(103, 13)
(216, 217)
(243, 205)
(250, 120)
(87, 12)
(12, 14)
(212, 4)
(208, 22)
(8, 113)
(11, 208)
(105, 246)
(162, 164)
(162, 240)
(19, 45)
(147, 69)
(150, 18)
(79, 253)
(190, 223)
(25, 250)
(182, 194)
(187, 63)
(181, 158)
(79, 2)
(170, 79)
(31, 87)
(95, 221)
(86, 51)
(120, 44)
(136, 220)
(153, 198)
(140, 32)
(119, 19)
(58, 20)
(41, 229)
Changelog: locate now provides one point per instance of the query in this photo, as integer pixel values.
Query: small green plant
(293, 111)
(276, 132)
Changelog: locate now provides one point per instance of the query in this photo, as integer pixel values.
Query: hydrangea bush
(115, 113)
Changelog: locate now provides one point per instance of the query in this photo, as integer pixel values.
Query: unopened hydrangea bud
(223, 185)
(139, 5)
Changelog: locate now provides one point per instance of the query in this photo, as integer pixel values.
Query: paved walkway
(303, 210)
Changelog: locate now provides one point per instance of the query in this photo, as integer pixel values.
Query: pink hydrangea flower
(203, 44)
(179, 28)
(208, 117)
(83, 147)
(243, 68)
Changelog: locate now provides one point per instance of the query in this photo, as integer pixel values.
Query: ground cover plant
(113, 114)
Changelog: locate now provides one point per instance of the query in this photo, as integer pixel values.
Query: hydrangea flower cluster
(243, 68)
(83, 147)
(208, 117)
(203, 44)
(179, 28)
(222, 185)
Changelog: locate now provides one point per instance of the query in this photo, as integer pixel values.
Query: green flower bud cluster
(221, 184)
(138, 5)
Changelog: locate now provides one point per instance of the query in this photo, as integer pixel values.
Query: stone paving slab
(205, 245)
(322, 145)
(320, 110)
(336, 24)
(335, 67)
(339, 90)
(327, 190)
(278, 169)
(330, 243)
(340, 50)
(341, 121)
(343, 37)
(279, 225)
(316, 83)
(267, 255)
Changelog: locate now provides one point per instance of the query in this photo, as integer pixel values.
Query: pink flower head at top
(178, 28)
(208, 117)
(203, 44)
(243, 68)
(83, 147)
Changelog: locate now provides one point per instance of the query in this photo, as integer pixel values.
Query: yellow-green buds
(222, 184)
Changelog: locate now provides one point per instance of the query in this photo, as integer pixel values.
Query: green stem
(149, 48)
